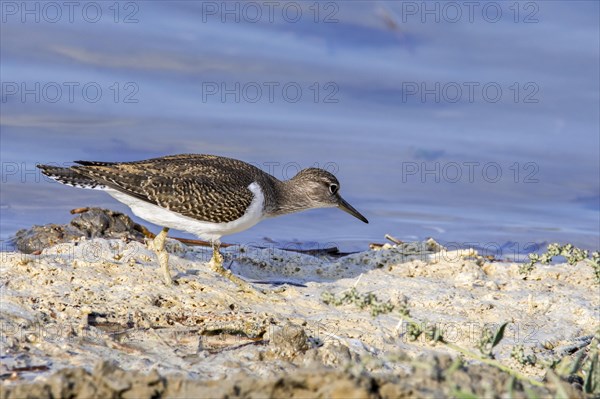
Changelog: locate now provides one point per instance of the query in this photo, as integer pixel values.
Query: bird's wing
(209, 191)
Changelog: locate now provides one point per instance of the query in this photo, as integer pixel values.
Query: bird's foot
(163, 260)
(158, 245)
(243, 285)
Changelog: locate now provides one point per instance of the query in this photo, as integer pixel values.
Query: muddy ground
(92, 318)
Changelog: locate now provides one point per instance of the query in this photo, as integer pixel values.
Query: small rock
(288, 341)
(94, 223)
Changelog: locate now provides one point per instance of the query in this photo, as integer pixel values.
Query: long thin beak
(346, 207)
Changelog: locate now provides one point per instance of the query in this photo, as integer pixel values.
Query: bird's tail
(69, 176)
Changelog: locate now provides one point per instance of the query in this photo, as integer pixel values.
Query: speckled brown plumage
(204, 187)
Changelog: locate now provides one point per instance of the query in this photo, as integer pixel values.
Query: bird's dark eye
(333, 188)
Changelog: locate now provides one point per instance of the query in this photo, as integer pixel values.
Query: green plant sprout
(351, 296)
(571, 253)
(586, 366)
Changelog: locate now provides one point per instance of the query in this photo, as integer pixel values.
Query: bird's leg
(162, 254)
(217, 258)
(216, 264)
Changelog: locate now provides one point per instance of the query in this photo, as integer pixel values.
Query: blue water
(476, 129)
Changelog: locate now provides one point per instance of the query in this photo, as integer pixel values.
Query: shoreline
(80, 304)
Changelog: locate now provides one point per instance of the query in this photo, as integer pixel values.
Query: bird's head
(322, 188)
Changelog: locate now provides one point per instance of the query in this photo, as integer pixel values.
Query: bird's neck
(287, 197)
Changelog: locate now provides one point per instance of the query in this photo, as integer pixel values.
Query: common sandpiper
(206, 195)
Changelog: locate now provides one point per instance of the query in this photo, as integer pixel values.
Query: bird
(209, 196)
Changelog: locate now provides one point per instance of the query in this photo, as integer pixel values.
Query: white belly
(205, 230)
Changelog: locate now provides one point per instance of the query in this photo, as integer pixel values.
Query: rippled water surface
(473, 128)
